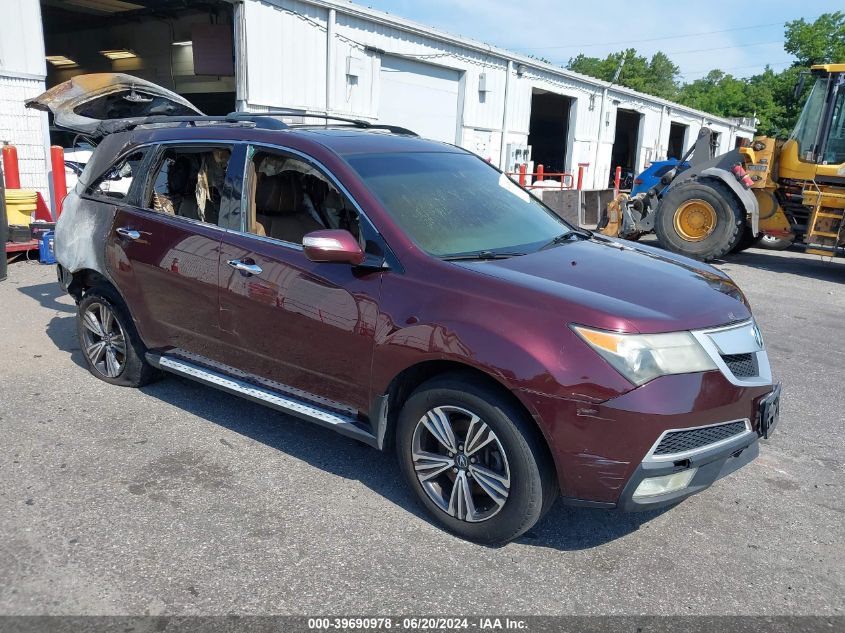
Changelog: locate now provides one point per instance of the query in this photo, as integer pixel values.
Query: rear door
(164, 245)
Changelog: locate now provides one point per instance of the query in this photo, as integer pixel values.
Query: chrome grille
(692, 439)
(742, 365)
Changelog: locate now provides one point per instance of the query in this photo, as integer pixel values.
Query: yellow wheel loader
(780, 190)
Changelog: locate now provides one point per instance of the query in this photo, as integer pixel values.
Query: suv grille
(682, 441)
(742, 365)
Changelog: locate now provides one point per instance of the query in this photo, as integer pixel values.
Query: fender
(745, 196)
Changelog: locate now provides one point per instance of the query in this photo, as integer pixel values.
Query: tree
(657, 76)
(819, 42)
(767, 96)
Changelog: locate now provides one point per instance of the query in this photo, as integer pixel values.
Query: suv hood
(603, 282)
(82, 103)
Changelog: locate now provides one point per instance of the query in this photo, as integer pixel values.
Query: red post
(11, 171)
(580, 177)
(541, 172)
(522, 175)
(617, 179)
(57, 161)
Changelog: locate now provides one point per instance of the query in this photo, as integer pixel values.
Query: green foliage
(819, 42)
(657, 76)
(768, 95)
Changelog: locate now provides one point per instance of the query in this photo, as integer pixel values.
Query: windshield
(834, 149)
(452, 204)
(807, 129)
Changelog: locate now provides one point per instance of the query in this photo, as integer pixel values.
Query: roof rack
(112, 126)
(264, 120)
(395, 129)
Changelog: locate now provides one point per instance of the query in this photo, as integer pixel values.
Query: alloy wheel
(104, 342)
(460, 463)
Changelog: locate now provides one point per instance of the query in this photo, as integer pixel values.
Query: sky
(697, 36)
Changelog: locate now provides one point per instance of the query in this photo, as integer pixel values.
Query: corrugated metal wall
(22, 72)
(287, 46)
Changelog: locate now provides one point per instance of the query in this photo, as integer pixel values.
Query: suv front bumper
(603, 451)
(710, 464)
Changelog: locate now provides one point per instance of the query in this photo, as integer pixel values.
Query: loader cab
(820, 131)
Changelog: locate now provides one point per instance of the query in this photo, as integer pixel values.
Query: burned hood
(615, 284)
(82, 103)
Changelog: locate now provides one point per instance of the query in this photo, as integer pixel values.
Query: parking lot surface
(179, 499)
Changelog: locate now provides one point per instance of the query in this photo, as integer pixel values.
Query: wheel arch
(410, 378)
(743, 196)
(82, 280)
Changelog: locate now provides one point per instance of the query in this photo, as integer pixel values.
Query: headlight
(643, 357)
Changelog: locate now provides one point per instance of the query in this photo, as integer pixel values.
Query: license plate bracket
(769, 412)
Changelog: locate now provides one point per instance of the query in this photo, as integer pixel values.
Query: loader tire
(700, 219)
(747, 240)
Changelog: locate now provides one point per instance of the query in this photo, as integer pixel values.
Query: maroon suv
(405, 293)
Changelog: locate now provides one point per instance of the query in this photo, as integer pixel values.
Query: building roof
(387, 19)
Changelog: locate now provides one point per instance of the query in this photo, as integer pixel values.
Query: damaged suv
(406, 294)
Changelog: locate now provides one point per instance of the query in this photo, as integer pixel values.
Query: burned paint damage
(82, 229)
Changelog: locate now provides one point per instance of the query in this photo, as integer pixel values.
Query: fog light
(662, 485)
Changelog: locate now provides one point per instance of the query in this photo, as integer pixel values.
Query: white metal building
(339, 57)
(319, 56)
(22, 74)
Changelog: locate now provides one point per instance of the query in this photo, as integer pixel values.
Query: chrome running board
(334, 420)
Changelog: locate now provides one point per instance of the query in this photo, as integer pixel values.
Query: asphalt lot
(179, 499)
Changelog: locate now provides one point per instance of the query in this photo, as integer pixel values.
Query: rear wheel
(776, 243)
(473, 460)
(700, 219)
(110, 343)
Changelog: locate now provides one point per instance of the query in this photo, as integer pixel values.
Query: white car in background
(78, 150)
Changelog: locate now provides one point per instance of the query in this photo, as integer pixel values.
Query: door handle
(244, 267)
(127, 233)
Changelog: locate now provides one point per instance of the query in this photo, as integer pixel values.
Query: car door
(164, 245)
(307, 327)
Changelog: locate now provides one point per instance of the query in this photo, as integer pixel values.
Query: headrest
(278, 195)
(316, 188)
(179, 175)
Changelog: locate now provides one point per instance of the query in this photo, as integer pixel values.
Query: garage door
(420, 97)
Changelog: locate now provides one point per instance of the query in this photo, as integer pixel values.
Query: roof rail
(264, 120)
(112, 126)
(395, 129)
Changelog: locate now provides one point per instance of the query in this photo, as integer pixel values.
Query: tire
(115, 353)
(511, 484)
(746, 241)
(721, 230)
(776, 243)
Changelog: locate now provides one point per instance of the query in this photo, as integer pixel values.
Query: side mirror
(799, 87)
(333, 245)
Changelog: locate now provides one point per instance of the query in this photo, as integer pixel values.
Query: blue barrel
(46, 253)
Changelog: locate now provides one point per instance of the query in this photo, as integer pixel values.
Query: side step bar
(334, 420)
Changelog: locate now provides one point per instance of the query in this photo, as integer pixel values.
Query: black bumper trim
(712, 465)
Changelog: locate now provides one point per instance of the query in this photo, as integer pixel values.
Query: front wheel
(473, 460)
(700, 219)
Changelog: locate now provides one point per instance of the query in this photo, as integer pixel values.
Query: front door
(165, 243)
(308, 327)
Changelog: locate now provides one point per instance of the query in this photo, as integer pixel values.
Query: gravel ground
(178, 499)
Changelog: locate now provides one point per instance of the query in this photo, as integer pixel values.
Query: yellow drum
(20, 206)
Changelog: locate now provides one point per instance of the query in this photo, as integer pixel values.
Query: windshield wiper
(581, 234)
(479, 255)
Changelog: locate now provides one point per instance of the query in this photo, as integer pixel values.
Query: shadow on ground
(61, 329)
(563, 528)
(806, 266)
